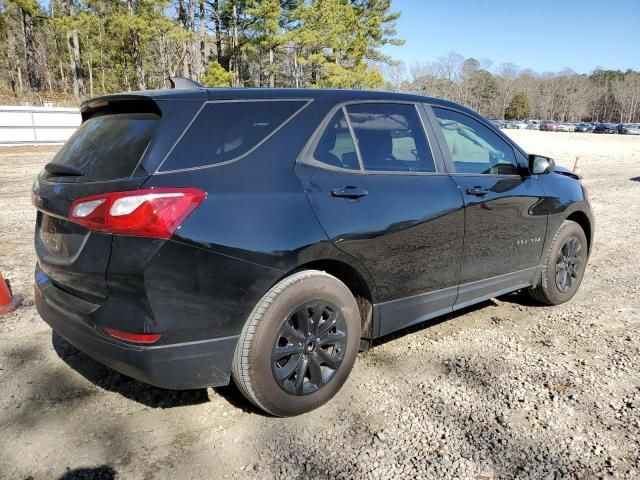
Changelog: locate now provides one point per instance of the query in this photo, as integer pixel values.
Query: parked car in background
(564, 127)
(193, 236)
(498, 123)
(533, 125)
(515, 124)
(584, 127)
(605, 128)
(548, 126)
(629, 128)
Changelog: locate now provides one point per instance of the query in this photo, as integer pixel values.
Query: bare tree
(135, 47)
(508, 74)
(73, 45)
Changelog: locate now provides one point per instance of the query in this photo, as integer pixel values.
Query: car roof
(335, 95)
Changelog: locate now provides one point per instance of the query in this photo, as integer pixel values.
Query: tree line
(510, 92)
(63, 51)
(81, 48)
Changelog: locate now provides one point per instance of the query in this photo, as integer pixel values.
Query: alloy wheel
(309, 348)
(568, 264)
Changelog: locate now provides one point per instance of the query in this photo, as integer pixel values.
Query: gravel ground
(503, 390)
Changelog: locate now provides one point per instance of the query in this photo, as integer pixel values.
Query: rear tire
(310, 319)
(564, 266)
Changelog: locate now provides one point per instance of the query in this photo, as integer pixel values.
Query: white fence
(37, 124)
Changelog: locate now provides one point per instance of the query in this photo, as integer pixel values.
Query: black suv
(192, 235)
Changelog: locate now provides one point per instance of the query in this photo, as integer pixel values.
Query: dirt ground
(504, 390)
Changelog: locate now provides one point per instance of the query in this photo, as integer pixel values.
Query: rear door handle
(350, 192)
(477, 191)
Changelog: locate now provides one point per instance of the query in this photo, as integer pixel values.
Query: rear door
(105, 154)
(505, 218)
(384, 198)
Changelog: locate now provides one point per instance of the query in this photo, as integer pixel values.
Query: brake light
(152, 212)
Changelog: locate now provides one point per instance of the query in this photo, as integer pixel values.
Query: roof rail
(182, 82)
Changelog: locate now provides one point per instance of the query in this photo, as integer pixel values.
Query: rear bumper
(182, 366)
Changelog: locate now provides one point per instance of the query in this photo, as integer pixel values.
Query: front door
(505, 222)
(384, 200)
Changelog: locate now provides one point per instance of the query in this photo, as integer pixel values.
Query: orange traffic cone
(576, 166)
(8, 302)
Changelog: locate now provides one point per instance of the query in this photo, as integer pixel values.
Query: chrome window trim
(306, 101)
(356, 144)
(306, 157)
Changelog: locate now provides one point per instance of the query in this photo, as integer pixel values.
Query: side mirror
(539, 165)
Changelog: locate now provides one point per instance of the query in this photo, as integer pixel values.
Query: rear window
(225, 131)
(108, 146)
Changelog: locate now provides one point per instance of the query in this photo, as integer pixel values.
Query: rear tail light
(154, 212)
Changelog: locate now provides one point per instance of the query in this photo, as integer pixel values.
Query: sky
(544, 35)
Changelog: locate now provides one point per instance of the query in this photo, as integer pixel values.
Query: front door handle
(477, 191)
(350, 192)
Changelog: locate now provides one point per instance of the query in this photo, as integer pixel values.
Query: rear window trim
(306, 157)
(306, 101)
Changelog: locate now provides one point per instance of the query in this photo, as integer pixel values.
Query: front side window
(225, 131)
(474, 148)
(390, 137)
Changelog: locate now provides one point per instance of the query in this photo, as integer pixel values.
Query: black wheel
(298, 345)
(564, 266)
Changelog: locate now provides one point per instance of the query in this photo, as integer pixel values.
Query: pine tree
(217, 76)
(340, 37)
(518, 108)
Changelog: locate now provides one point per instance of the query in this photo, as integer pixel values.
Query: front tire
(564, 266)
(299, 344)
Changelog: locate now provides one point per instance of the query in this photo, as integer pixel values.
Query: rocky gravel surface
(503, 390)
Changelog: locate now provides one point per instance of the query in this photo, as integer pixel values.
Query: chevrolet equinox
(188, 236)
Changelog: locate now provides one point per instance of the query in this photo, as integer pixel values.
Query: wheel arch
(361, 288)
(582, 219)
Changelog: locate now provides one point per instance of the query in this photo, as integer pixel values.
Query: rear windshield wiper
(60, 170)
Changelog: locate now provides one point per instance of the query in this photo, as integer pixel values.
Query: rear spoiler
(123, 103)
(138, 102)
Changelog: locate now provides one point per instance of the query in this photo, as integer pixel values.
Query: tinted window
(390, 137)
(108, 146)
(335, 146)
(224, 131)
(475, 148)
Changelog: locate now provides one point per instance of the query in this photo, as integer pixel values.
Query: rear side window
(108, 146)
(336, 147)
(390, 137)
(225, 131)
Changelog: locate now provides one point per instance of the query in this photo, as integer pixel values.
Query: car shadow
(148, 395)
(98, 473)
(236, 399)
(519, 297)
(108, 379)
(154, 397)
(430, 323)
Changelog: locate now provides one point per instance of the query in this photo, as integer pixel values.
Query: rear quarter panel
(254, 227)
